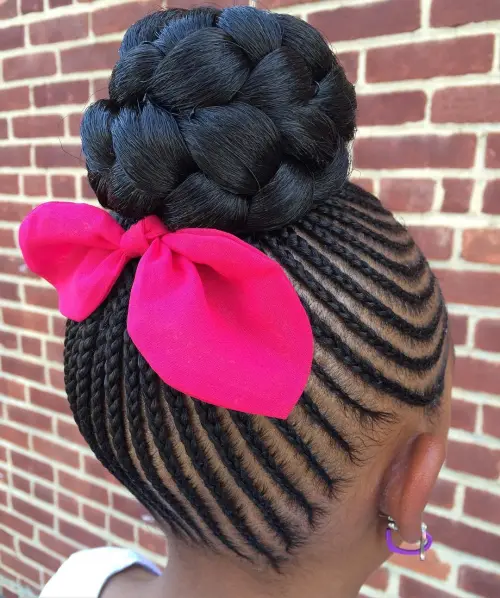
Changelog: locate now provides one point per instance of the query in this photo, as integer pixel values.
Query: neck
(197, 575)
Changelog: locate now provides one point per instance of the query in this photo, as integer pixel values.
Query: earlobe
(410, 483)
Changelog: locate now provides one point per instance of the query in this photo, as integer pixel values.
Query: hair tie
(214, 317)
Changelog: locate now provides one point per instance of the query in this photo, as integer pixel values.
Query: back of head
(240, 120)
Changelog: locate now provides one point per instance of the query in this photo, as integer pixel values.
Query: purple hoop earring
(425, 541)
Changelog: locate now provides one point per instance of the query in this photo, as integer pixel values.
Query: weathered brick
(367, 20)
(15, 155)
(60, 29)
(459, 326)
(423, 151)
(35, 185)
(473, 288)
(482, 505)
(48, 156)
(350, 62)
(453, 13)
(26, 319)
(18, 367)
(39, 556)
(6, 240)
(49, 400)
(29, 418)
(38, 126)
(15, 98)
(411, 588)
(68, 503)
(11, 37)
(481, 245)
(14, 211)
(457, 194)
(8, 340)
(491, 420)
(391, 108)
(94, 516)
(493, 151)
(430, 59)
(407, 195)
(80, 535)
(8, 9)
(41, 296)
(118, 18)
(487, 335)
(20, 567)
(474, 374)
(435, 242)
(56, 452)
(13, 435)
(94, 57)
(476, 460)
(82, 487)
(463, 415)
(31, 6)
(479, 104)
(29, 66)
(56, 544)
(63, 186)
(12, 389)
(434, 566)
(54, 94)
(491, 198)
(9, 184)
(32, 512)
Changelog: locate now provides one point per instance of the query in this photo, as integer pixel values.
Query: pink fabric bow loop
(214, 317)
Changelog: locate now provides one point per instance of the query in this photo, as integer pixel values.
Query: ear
(410, 482)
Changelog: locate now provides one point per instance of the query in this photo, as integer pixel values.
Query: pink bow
(214, 317)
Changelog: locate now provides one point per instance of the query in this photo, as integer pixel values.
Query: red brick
(366, 184)
(38, 126)
(6, 539)
(128, 506)
(423, 151)
(443, 494)
(121, 529)
(463, 537)
(457, 194)
(463, 415)
(9, 290)
(15, 155)
(349, 60)
(491, 198)
(57, 379)
(93, 57)
(8, 593)
(473, 374)
(17, 367)
(74, 124)
(58, 326)
(95, 469)
(391, 108)
(487, 335)
(474, 288)
(118, 18)
(54, 94)
(13, 435)
(57, 3)
(94, 516)
(16, 98)
(56, 452)
(370, 20)
(29, 320)
(87, 191)
(67, 503)
(54, 351)
(452, 13)
(31, 512)
(56, 544)
(69, 431)
(459, 326)
(29, 66)
(35, 185)
(44, 493)
(41, 296)
(21, 484)
(82, 487)
(30, 418)
(467, 104)
(481, 245)
(100, 89)
(20, 526)
(14, 211)
(3, 128)
(430, 59)
(9, 184)
(39, 556)
(12, 264)
(80, 535)
(152, 542)
(8, 9)
(31, 345)
(482, 505)
(12, 37)
(411, 588)
(6, 240)
(433, 566)
(407, 195)
(8, 340)
(11, 389)
(14, 563)
(435, 241)
(493, 151)
(60, 29)
(491, 420)
(473, 459)
(63, 186)
(31, 6)
(479, 583)
(47, 156)
(49, 400)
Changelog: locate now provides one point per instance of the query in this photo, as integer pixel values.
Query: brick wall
(427, 75)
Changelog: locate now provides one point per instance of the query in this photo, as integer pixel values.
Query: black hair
(241, 120)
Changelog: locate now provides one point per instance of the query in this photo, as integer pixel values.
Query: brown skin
(397, 481)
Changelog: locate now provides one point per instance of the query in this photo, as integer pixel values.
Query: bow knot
(137, 239)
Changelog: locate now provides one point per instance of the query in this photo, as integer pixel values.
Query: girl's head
(240, 120)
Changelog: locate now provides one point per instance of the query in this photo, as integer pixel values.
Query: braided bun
(236, 119)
